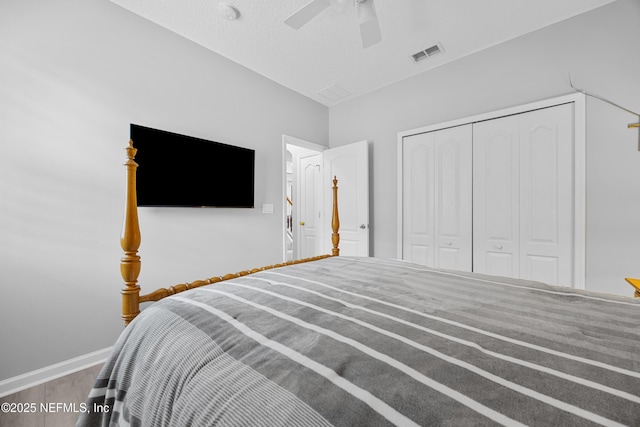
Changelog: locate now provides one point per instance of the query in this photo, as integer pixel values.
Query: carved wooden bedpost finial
(335, 220)
(636, 284)
(130, 242)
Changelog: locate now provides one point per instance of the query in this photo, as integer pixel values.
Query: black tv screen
(178, 170)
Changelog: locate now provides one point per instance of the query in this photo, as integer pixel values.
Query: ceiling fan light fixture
(365, 11)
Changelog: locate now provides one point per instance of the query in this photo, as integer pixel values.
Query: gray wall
(599, 50)
(73, 75)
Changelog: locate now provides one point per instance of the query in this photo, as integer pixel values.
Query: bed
(351, 341)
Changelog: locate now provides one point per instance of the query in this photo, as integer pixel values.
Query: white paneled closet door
(418, 198)
(523, 196)
(496, 197)
(546, 201)
(437, 198)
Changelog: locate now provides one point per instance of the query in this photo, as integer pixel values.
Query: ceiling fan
(366, 11)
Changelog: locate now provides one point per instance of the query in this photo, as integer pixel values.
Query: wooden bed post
(335, 220)
(636, 285)
(130, 242)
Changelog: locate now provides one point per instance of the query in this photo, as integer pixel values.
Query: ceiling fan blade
(307, 13)
(369, 26)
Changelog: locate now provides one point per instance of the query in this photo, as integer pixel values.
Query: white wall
(73, 75)
(599, 50)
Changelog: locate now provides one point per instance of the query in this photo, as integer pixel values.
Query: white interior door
(310, 206)
(350, 164)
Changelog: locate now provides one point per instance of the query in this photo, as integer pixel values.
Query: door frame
(303, 145)
(579, 165)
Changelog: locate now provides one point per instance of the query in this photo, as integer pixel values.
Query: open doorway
(307, 197)
(303, 198)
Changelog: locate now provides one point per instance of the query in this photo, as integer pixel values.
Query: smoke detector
(227, 11)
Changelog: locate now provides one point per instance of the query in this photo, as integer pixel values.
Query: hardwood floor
(52, 404)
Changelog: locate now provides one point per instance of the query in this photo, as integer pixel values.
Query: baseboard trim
(48, 373)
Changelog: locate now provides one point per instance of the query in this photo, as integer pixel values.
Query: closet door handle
(498, 246)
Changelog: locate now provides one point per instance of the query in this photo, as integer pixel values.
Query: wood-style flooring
(56, 402)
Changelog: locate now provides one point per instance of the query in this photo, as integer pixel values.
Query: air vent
(334, 93)
(424, 54)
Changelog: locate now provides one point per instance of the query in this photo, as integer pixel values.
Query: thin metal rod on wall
(593, 95)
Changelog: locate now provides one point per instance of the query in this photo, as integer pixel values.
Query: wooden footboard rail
(130, 242)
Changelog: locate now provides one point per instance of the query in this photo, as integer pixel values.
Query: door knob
(302, 223)
(499, 246)
(362, 226)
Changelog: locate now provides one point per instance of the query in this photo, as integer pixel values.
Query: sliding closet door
(523, 196)
(437, 198)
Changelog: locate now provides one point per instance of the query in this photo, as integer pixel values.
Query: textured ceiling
(327, 52)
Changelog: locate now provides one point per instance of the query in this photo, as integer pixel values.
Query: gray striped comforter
(371, 342)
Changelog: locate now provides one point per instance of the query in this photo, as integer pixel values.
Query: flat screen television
(182, 171)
